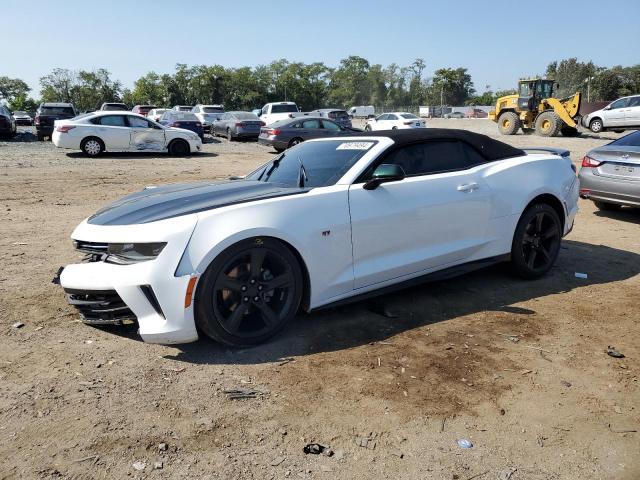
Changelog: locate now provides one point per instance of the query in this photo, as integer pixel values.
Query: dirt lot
(519, 368)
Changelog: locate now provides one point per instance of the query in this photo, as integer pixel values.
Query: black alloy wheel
(249, 292)
(536, 241)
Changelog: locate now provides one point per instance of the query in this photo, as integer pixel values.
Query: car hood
(160, 203)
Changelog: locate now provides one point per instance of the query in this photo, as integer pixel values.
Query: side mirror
(608, 107)
(387, 172)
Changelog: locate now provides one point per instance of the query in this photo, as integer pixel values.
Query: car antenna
(302, 174)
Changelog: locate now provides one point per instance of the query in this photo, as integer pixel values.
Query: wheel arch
(551, 200)
(217, 251)
(597, 117)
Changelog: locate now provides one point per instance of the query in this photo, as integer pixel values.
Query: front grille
(100, 307)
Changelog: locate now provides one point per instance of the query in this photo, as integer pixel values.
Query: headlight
(126, 253)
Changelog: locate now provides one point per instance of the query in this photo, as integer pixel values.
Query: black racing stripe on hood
(161, 203)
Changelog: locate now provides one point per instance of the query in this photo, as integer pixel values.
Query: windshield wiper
(302, 174)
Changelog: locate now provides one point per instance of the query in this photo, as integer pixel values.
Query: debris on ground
(317, 449)
(612, 352)
(17, 325)
(339, 454)
(506, 473)
(277, 461)
(464, 443)
(565, 383)
(158, 465)
(163, 446)
(397, 453)
(621, 430)
(241, 393)
(581, 275)
(366, 441)
(139, 465)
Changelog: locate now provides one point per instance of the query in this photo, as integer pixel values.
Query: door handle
(468, 187)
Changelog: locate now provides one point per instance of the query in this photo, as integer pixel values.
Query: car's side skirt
(437, 276)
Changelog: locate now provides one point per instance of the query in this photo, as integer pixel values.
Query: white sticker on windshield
(355, 146)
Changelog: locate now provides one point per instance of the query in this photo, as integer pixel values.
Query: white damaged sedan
(111, 131)
(327, 221)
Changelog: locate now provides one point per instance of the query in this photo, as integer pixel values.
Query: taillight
(239, 124)
(37, 120)
(408, 123)
(589, 162)
(274, 131)
(65, 128)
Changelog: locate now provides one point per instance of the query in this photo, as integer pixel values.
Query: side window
(391, 117)
(473, 156)
(135, 122)
(265, 110)
(113, 120)
(619, 103)
(383, 117)
(330, 125)
(313, 124)
(430, 157)
(635, 102)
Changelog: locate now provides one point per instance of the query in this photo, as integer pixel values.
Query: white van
(362, 111)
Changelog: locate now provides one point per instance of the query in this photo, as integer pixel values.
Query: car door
(145, 136)
(311, 129)
(330, 128)
(615, 113)
(114, 132)
(391, 121)
(436, 216)
(632, 114)
(379, 122)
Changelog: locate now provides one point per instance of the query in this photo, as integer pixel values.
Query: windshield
(319, 163)
(184, 117)
(57, 111)
(338, 114)
(19, 113)
(411, 115)
(213, 110)
(245, 116)
(631, 140)
(185, 109)
(283, 108)
(115, 106)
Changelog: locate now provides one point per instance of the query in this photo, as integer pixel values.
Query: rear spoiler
(561, 152)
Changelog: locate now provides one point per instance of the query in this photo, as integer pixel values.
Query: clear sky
(497, 40)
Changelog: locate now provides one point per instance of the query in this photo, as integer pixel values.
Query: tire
(569, 132)
(508, 123)
(229, 135)
(536, 241)
(179, 148)
(549, 124)
(609, 207)
(234, 304)
(295, 141)
(92, 146)
(367, 128)
(394, 128)
(40, 137)
(596, 125)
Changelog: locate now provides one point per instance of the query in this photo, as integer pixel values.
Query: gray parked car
(341, 117)
(610, 175)
(237, 125)
(454, 115)
(284, 134)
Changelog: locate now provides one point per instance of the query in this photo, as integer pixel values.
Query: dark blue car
(186, 120)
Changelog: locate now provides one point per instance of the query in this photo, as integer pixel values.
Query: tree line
(311, 85)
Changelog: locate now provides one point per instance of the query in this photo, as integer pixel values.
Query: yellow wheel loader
(534, 108)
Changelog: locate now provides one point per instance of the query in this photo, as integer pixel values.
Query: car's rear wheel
(179, 147)
(295, 141)
(92, 146)
(249, 292)
(536, 241)
(611, 207)
(367, 128)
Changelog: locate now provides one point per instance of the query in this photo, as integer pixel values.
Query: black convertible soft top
(491, 149)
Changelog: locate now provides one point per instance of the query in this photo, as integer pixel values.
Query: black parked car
(7, 123)
(186, 120)
(284, 134)
(48, 113)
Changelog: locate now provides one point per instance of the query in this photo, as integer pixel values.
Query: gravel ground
(518, 368)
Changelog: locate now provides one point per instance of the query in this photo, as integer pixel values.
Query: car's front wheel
(596, 125)
(367, 128)
(179, 147)
(536, 241)
(92, 147)
(249, 292)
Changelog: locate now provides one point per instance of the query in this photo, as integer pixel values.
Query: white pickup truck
(272, 112)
